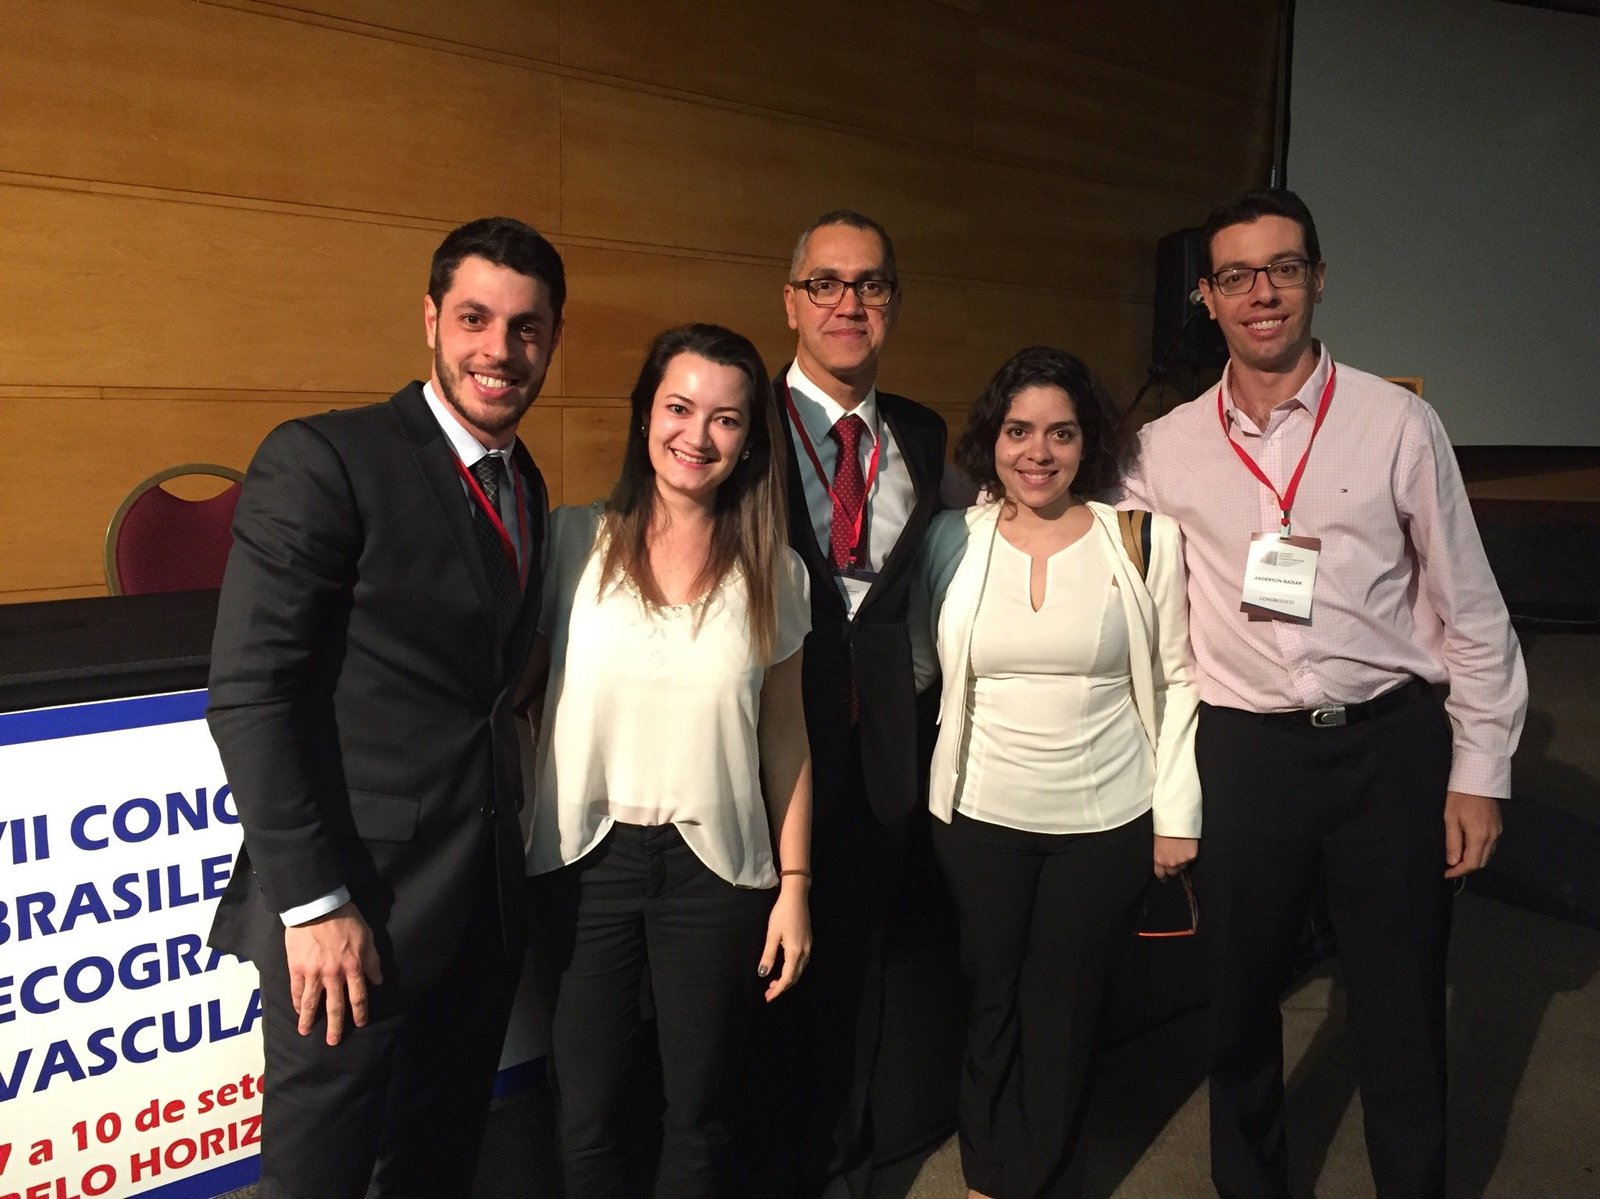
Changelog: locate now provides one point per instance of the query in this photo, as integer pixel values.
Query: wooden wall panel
(1038, 227)
(591, 447)
(1037, 100)
(644, 168)
(134, 437)
(951, 337)
(60, 543)
(542, 431)
(1228, 46)
(897, 66)
(627, 297)
(124, 290)
(219, 213)
(273, 109)
(955, 420)
(950, 212)
(525, 28)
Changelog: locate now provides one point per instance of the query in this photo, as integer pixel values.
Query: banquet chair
(158, 541)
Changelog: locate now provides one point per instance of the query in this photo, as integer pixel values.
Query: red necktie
(848, 535)
(847, 538)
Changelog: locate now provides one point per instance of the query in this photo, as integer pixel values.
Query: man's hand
(331, 957)
(1471, 828)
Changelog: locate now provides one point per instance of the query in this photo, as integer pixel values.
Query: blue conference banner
(130, 1052)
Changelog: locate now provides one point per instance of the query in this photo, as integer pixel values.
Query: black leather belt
(1333, 716)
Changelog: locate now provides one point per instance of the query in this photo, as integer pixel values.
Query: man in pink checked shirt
(1361, 689)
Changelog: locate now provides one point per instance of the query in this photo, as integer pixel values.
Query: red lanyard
(497, 524)
(1286, 498)
(811, 452)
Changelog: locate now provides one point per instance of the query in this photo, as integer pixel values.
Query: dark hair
(751, 517)
(852, 219)
(504, 242)
(1268, 201)
(1043, 366)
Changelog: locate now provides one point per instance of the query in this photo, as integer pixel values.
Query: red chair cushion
(172, 544)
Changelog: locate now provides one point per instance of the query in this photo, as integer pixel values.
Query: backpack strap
(1135, 526)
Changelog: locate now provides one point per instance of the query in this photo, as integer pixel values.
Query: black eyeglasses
(829, 293)
(1162, 923)
(1286, 272)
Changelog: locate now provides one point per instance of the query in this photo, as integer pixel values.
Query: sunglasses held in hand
(1160, 917)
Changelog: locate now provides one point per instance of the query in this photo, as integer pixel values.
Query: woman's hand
(786, 783)
(788, 929)
(1173, 854)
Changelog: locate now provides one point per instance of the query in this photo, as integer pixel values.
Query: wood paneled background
(218, 214)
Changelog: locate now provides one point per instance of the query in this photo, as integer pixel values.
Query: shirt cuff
(1476, 773)
(308, 912)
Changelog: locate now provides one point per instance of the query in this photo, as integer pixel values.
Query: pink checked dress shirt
(1403, 587)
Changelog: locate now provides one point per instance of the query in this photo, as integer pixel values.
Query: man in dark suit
(865, 474)
(377, 611)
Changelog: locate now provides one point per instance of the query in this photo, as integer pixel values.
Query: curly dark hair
(1104, 440)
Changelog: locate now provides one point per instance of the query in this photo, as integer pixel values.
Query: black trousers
(1043, 919)
(1360, 808)
(857, 863)
(642, 902)
(805, 1113)
(397, 1109)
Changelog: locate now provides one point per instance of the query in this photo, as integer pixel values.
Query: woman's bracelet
(787, 873)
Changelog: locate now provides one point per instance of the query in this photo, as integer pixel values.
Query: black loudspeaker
(1184, 333)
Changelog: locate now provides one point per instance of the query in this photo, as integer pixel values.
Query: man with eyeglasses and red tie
(1362, 693)
(865, 470)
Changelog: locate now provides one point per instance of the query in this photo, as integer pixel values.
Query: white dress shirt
(469, 451)
(890, 499)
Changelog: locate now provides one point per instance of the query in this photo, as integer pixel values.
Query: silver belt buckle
(1329, 717)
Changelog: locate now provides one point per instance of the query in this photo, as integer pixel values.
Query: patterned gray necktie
(501, 569)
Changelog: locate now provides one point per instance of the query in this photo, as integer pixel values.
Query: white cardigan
(948, 588)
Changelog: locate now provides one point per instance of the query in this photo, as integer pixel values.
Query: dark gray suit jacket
(874, 649)
(361, 689)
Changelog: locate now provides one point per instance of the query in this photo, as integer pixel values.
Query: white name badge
(1280, 574)
(854, 585)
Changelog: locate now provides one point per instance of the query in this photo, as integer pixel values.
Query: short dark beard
(447, 392)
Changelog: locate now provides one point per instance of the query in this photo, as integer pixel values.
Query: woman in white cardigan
(1063, 775)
